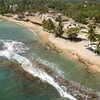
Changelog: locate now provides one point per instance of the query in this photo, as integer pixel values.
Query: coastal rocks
(33, 68)
(76, 90)
(70, 90)
(79, 92)
(53, 47)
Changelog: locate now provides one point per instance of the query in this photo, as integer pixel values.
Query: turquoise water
(14, 32)
(15, 86)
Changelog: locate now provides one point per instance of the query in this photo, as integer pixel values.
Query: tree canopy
(48, 24)
(72, 33)
(79, 10)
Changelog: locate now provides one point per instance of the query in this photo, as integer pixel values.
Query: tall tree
(91, 34)
(59, 19)
(58, 31)
(48, 24)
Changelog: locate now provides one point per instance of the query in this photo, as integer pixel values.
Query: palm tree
(48, 24)
(91, 32)
(98, 48)
(58, 31)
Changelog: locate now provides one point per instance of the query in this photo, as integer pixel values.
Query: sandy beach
(73, 50)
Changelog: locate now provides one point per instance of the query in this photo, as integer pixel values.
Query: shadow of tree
(72, 40)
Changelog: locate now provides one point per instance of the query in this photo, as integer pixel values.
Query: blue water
(15, 86)
(14, 32)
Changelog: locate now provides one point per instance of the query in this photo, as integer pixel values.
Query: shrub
(80, 17)
(72, 33)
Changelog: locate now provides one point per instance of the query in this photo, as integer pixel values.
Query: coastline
(73, 50)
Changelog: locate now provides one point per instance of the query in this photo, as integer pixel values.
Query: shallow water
(15, 86)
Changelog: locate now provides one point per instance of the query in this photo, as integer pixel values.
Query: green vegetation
(82, 11)
(79, 10)
(48, 25)
(91, 34)
(72, 33)
(59, 19)
(97, 18)
(98, 48)
(20, 15)
(80, 16)
(58, 31)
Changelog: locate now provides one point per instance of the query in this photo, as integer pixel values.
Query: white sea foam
(9, 53)
(51, 65)
(17, 47)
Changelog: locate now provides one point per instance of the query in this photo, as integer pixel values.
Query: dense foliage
(72, 33)
(77, 9)
(58, 31)
(48, 25)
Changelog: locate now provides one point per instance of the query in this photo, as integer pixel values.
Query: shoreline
(72, 50)
(72, 88)
(88, 65)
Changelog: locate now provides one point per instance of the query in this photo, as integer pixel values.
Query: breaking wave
(12, 49)
(47, 64)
